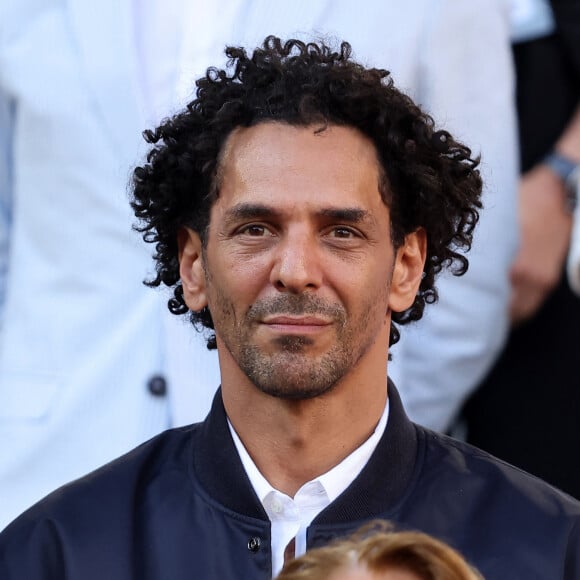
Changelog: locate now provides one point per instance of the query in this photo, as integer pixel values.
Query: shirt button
(254, 544)
(157, 385)
(276, 506)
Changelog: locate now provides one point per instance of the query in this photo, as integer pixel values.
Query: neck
(294, 441)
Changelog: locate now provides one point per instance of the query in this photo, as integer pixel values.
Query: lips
(296, 321)
(296, 324)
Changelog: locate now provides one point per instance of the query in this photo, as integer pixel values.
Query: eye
(253, 230)
(343, 233)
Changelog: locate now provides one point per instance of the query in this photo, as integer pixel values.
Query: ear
(408, 270)
(191, 268)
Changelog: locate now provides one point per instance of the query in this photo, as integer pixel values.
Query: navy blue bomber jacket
(180, 507)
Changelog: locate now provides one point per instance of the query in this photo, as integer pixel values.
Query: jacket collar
(378, 488)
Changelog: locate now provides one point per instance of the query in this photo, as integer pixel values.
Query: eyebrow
(243, 211)
(353, 215)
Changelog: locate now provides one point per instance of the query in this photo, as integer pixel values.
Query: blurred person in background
(86, 368)
(527, 411)
(90, 363)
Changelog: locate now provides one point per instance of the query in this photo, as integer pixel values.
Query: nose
(297, 264)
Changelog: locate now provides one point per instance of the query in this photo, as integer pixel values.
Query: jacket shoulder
(463, 460)
(100, 506)
(500, 517)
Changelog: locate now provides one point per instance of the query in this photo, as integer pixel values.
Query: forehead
(281, 164)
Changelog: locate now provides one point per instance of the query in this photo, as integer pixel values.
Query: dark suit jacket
(181, 507)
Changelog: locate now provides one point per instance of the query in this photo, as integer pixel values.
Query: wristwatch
(569, 172)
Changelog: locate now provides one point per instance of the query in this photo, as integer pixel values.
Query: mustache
(296, 305)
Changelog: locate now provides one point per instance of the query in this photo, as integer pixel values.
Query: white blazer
(81, 337)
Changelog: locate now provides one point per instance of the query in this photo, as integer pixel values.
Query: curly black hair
(429, 179)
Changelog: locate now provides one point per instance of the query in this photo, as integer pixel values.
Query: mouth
(296, 324)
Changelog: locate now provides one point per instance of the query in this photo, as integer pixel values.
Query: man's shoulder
(463, 468)
(144, 512)
(507, 522)
(113, 487)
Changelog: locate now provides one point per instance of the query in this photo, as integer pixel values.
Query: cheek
(373, 305)
(237, 283)
(368, 292)
(250, 270)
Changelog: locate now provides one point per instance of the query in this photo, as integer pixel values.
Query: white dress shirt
(290, 517)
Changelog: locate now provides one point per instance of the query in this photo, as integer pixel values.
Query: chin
(298, 390)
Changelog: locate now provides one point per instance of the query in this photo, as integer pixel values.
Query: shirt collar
(334, 481)
(216, 466)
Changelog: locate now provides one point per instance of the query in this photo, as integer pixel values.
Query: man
(299, 206)
(90, 367)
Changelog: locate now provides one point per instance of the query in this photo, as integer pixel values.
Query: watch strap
(560, 165)
(569, 172)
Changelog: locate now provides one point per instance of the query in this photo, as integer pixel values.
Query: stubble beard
(290, 372)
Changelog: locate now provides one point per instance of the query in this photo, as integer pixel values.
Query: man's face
(298, 261)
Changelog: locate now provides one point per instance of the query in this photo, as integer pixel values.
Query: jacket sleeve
(32, 550)
(572, 563)
(467, 84)
(567, 17)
